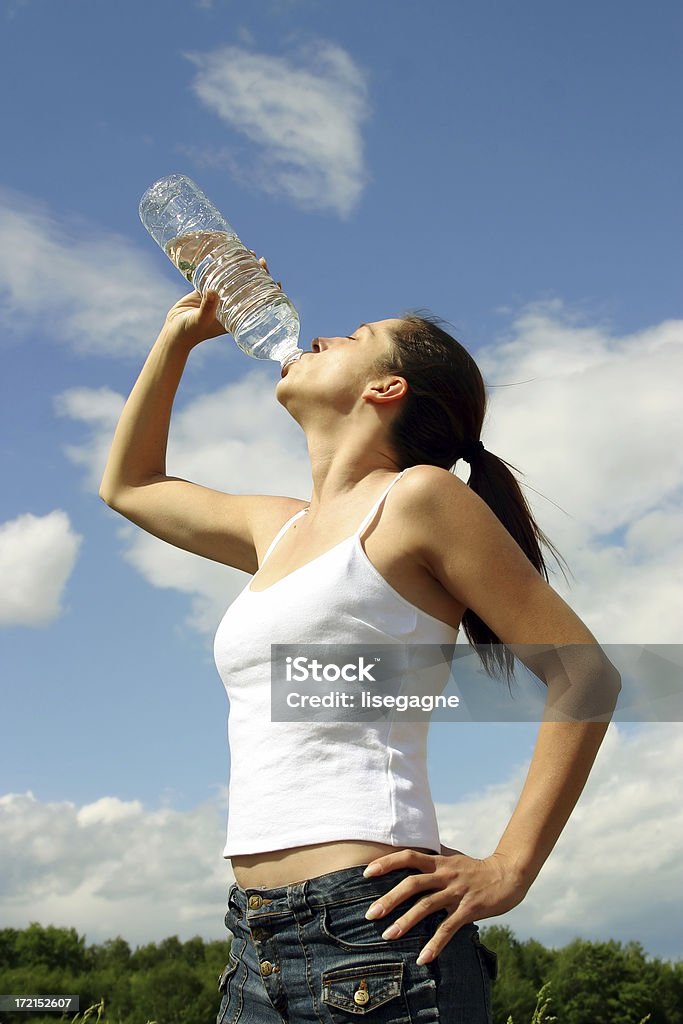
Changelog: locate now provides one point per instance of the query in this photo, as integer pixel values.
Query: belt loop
(299, 903)
(233, 902)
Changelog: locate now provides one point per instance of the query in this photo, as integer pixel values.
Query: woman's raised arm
(227, 528)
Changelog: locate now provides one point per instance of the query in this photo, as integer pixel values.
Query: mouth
(285, 369)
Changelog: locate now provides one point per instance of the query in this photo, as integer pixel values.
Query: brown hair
(444, 407)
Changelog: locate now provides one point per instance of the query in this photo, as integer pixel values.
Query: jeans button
(266, 968)
(255, 902)
(361, 996)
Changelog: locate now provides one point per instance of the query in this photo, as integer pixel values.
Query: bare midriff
(283, 867)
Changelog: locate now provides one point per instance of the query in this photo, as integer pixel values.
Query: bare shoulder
(466, 547)
(426, 488)
(453, 528)
(434, 506)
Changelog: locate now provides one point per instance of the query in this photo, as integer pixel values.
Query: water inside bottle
(187, 251)
(252, 307)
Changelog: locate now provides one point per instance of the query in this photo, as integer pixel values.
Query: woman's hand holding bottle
(193, 317)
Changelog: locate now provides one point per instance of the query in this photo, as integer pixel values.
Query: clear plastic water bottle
(208, 252)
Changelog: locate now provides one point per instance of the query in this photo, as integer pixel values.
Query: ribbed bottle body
(207, 251)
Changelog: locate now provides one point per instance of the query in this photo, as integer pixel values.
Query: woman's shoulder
(430, 496)
(424, 482)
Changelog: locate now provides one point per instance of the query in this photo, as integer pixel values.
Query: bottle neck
(292, 357)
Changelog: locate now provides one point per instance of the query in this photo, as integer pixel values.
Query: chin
(281, 394)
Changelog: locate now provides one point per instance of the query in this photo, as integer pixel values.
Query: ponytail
(492, 480)
(440, 421)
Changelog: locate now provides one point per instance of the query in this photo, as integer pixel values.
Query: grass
(540, 1015)
(541, 1012)
(87, 1015)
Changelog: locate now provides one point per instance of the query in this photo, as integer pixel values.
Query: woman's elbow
(108, 494)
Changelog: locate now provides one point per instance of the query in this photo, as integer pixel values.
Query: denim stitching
(309, 974)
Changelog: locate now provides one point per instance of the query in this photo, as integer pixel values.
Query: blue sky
(511, 168)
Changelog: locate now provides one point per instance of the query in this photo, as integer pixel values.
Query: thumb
(208, 305)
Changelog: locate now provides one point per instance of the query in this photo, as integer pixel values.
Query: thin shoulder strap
(373, 511)
(283, 529)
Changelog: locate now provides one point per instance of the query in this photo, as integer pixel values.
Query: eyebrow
(368, 327)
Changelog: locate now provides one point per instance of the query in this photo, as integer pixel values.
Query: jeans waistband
(342, 886)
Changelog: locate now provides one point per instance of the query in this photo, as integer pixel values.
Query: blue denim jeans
(305, 953)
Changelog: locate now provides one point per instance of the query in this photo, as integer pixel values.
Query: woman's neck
(338, 477)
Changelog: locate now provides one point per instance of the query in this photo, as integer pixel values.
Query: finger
(440, 939)
(207, 311)
(428, 902)
(429, 952)
(421, 885)
(403, 859)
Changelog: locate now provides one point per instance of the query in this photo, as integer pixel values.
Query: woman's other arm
(455, 534)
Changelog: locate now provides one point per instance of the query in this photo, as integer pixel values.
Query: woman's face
(339, 368)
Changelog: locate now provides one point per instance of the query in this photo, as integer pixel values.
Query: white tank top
(298, 783)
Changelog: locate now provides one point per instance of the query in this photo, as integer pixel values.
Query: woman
(324, 824)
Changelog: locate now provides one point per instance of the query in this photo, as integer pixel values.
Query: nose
(320, 344)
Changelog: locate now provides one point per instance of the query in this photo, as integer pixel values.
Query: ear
(389, 389)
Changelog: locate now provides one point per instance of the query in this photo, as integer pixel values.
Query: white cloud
(108, 867)
(236, 438)
(617, 863)
(37, 557)
(98, 293)
(593, 429)
(100, 408)
(302, 115)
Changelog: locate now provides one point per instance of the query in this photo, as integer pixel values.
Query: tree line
(174, 982)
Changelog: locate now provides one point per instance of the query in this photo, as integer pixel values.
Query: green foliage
(173, 993)
(44, 946)
(603, 982)
(174, 982)
(112, 953)
(8, 947)
(171, 982)
(522, 969)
